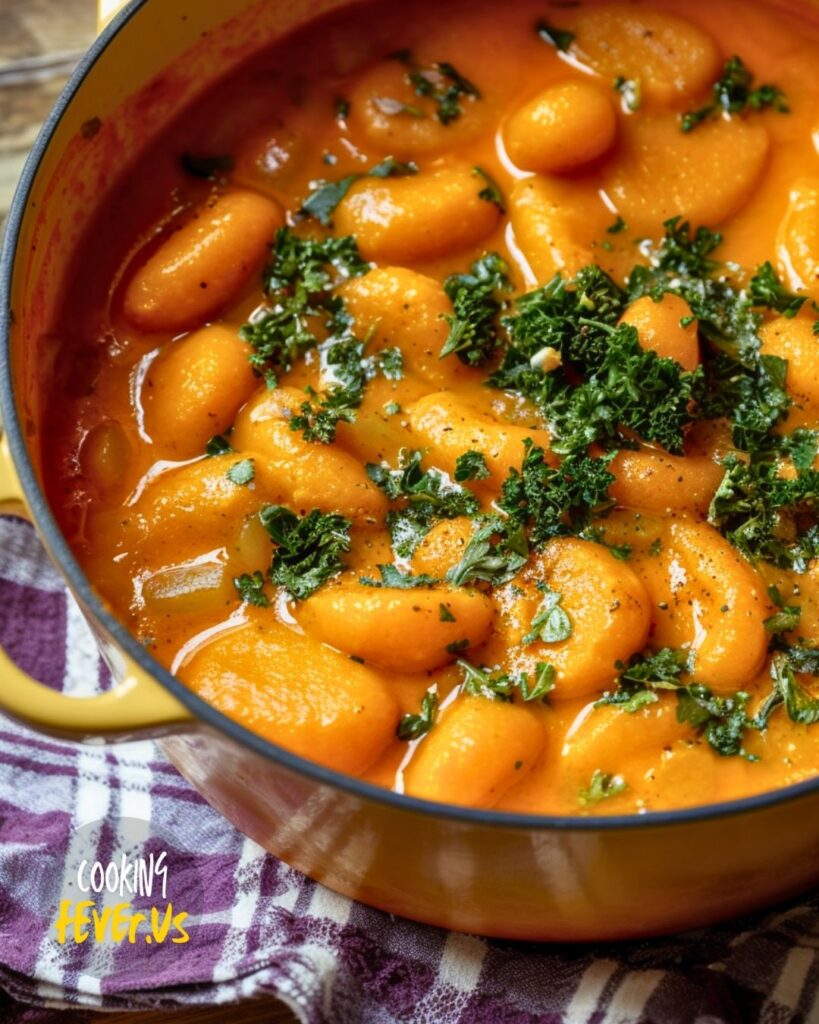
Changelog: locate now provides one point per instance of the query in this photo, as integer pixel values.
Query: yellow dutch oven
(512, 875)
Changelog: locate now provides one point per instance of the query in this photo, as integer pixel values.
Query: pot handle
(137, 708)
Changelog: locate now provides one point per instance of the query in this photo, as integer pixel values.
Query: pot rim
(70, 568)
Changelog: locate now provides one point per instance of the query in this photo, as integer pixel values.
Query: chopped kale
(800, 705)
(477, 300)
(786, 618)
(299, 281)
(802, 446)
(308, 548)
(471, 466)
(801, 659)
(424, 496)
(721, 720)
(446, 87)
(642, 677)
(759, 511)
(556, 502)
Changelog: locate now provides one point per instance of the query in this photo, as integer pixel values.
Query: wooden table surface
(40, 42)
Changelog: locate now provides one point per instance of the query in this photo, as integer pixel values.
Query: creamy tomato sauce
(412, 411)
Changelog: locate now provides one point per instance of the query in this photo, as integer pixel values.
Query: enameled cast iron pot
(512, 875)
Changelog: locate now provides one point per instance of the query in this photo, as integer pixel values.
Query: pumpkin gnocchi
(457, 427)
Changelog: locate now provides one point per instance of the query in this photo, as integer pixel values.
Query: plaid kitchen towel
(255, 926)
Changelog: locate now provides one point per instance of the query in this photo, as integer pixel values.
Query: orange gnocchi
(451, 417)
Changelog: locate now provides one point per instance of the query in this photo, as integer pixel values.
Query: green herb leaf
(556, 502)
(251, 589)
(444, 614)
(325, 197)
(802, 446)
(603, 786)
(479, 682)
(733, 95)
(759, 511)
(631, 93)
(545, 677)
(722, 720)
(551, 623)
(799, 704)
(217, 445)
(617, 227)
(423, 498)
(322, 201)
(299, 282)
(308, 548)
(787, 618)
(477, 301)
(767, 290)
(491, 192)
(471, 466)
(242, 473)
(413, 727)
(495, 554)
(392, 577)
(392, 168)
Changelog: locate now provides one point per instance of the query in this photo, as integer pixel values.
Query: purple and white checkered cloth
(258, 927)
